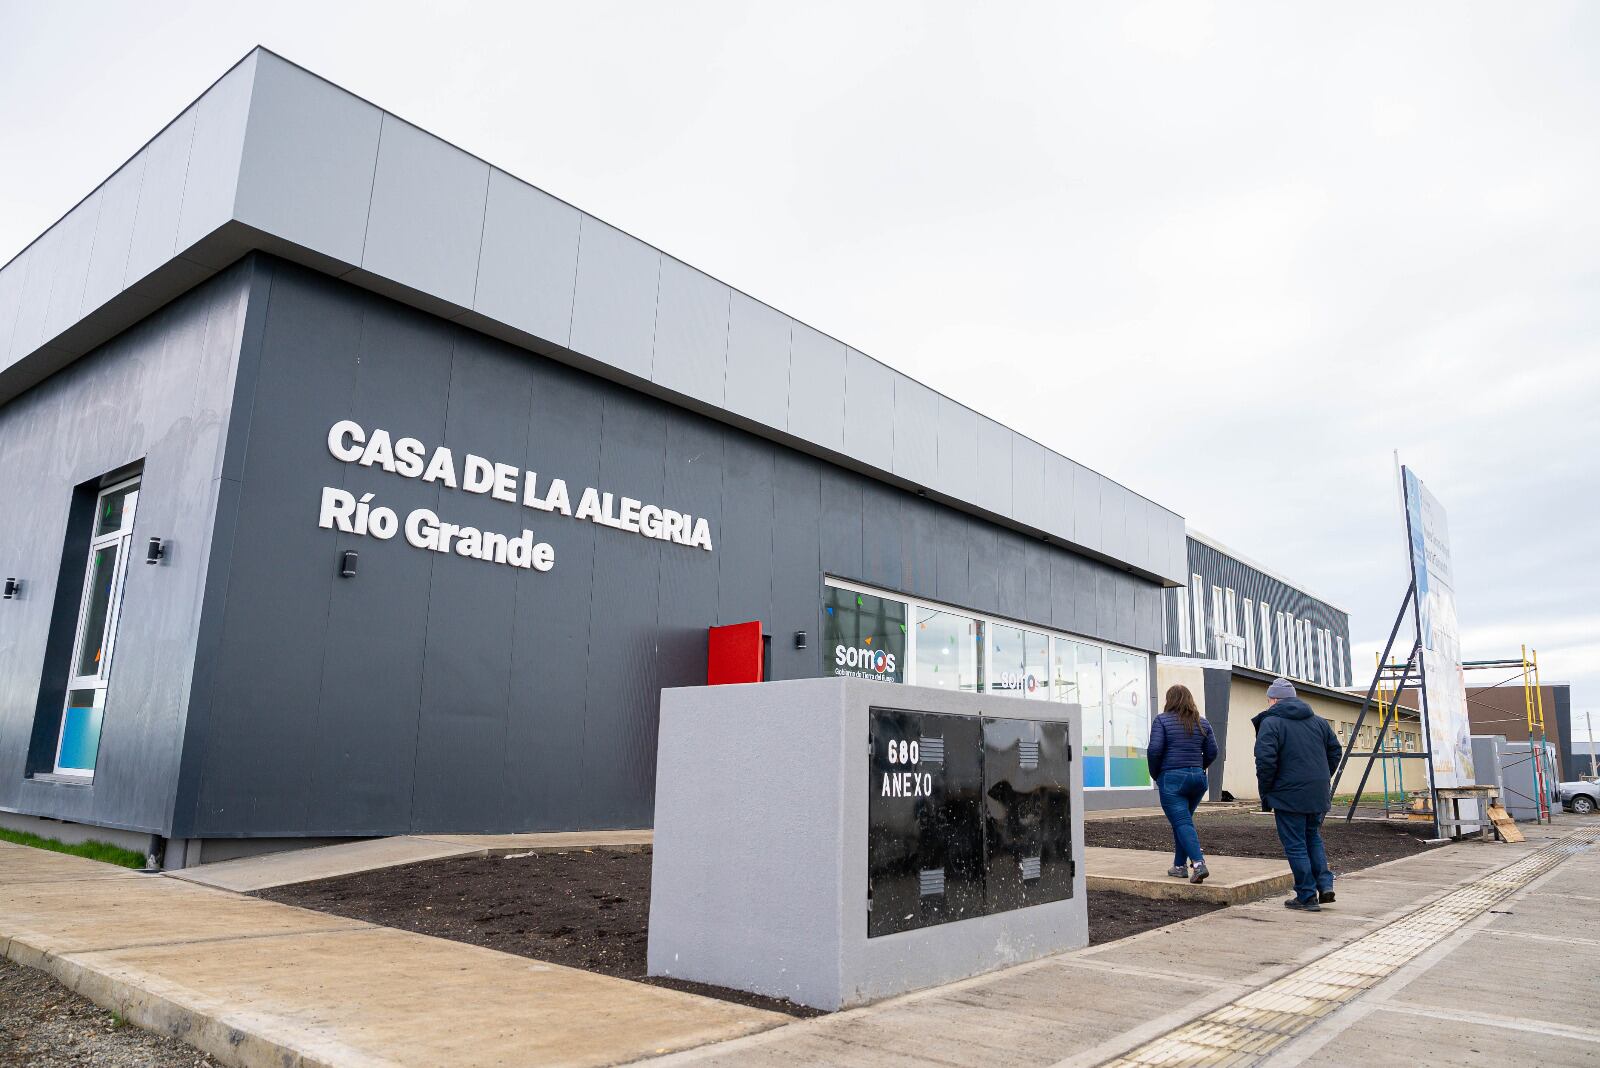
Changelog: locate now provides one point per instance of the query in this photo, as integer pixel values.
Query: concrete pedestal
(760, 877)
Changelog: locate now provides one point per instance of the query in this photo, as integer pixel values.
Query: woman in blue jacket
(1182, 747)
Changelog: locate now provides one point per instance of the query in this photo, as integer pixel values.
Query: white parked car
(1580, 797)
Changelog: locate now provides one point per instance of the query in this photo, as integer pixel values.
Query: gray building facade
(336, 367)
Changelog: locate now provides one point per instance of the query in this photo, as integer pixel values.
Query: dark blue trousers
(1181, 790)
(1301, 835)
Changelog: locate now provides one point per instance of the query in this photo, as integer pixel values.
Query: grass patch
(92, 849)
(1397, 798)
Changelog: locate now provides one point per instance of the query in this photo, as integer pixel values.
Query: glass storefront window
(1077, 675)
(864, 636)
(1020, 662)
(949, 650)
(1128, 702)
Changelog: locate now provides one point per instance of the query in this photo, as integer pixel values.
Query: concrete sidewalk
(1486, 995)
(258, 983)
(249, 874)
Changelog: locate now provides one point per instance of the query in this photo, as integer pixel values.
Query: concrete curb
(248, 875)
(1212, 893)
(233, 1043)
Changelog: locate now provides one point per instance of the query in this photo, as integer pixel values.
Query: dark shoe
(1200, 873)
(1325, 897)
(1302, 906)
(1179, 871)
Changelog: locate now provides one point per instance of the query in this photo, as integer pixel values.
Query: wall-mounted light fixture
(13, 587)
(799, 639)
(156, 552)
(347, 563)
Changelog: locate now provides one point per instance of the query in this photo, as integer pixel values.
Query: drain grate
(1245, 1030)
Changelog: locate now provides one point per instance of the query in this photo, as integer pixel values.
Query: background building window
(1183, 620)
(1266, 636)
(1198, 585)
(1234, 654)
(1285, 668)
(1219, 626)
(1249, 632)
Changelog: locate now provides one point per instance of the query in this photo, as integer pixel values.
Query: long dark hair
(1181, 702)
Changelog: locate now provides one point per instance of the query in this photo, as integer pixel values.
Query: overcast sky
(1233, 257)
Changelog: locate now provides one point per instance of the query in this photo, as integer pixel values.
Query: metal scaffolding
(1526, 669)
(1392, 676)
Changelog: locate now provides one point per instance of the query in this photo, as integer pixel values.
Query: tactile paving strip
(1247, 1029)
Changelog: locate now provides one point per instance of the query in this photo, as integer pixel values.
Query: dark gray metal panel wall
(437, 693)
(160, 393)
(1218, 568)
(1574, 764)
(399, 369)
(1218, 698)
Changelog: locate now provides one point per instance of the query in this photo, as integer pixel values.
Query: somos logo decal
(1016, 680)
(876, 661)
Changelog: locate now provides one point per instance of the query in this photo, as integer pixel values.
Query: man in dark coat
(1296, 756)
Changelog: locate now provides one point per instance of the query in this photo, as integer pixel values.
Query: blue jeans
(1301, 835)
(1181, 790)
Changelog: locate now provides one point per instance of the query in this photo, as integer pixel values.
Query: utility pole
(1589, 717)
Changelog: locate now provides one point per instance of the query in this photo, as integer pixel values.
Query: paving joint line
(354, 925)
(1512, 1023)
(1248, 1029)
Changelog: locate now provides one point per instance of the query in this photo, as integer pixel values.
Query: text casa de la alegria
(423, 528)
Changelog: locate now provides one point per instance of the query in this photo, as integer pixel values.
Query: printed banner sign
(1445, 690)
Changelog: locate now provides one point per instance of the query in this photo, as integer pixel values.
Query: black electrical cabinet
(966, 816)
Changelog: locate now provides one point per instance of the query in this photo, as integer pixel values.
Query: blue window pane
(80, 735)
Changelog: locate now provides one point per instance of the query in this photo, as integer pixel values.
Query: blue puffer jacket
(1296, 756)
(1173, 747)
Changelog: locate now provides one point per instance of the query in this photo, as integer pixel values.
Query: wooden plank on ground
(1504, 826)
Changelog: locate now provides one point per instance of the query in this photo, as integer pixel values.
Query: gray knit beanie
(1280, 688)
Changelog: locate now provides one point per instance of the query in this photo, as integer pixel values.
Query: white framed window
(1338, 660)
(1219, 630)
(1285, 668)
(1199, 591)
(874, 633)
(1235, 654)
(1183, 619)
(1249, 632)
(94, 642)
(1266, 636)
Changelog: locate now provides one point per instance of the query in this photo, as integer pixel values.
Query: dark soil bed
(1113, 916)
(585, 909)
(1350, 846)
